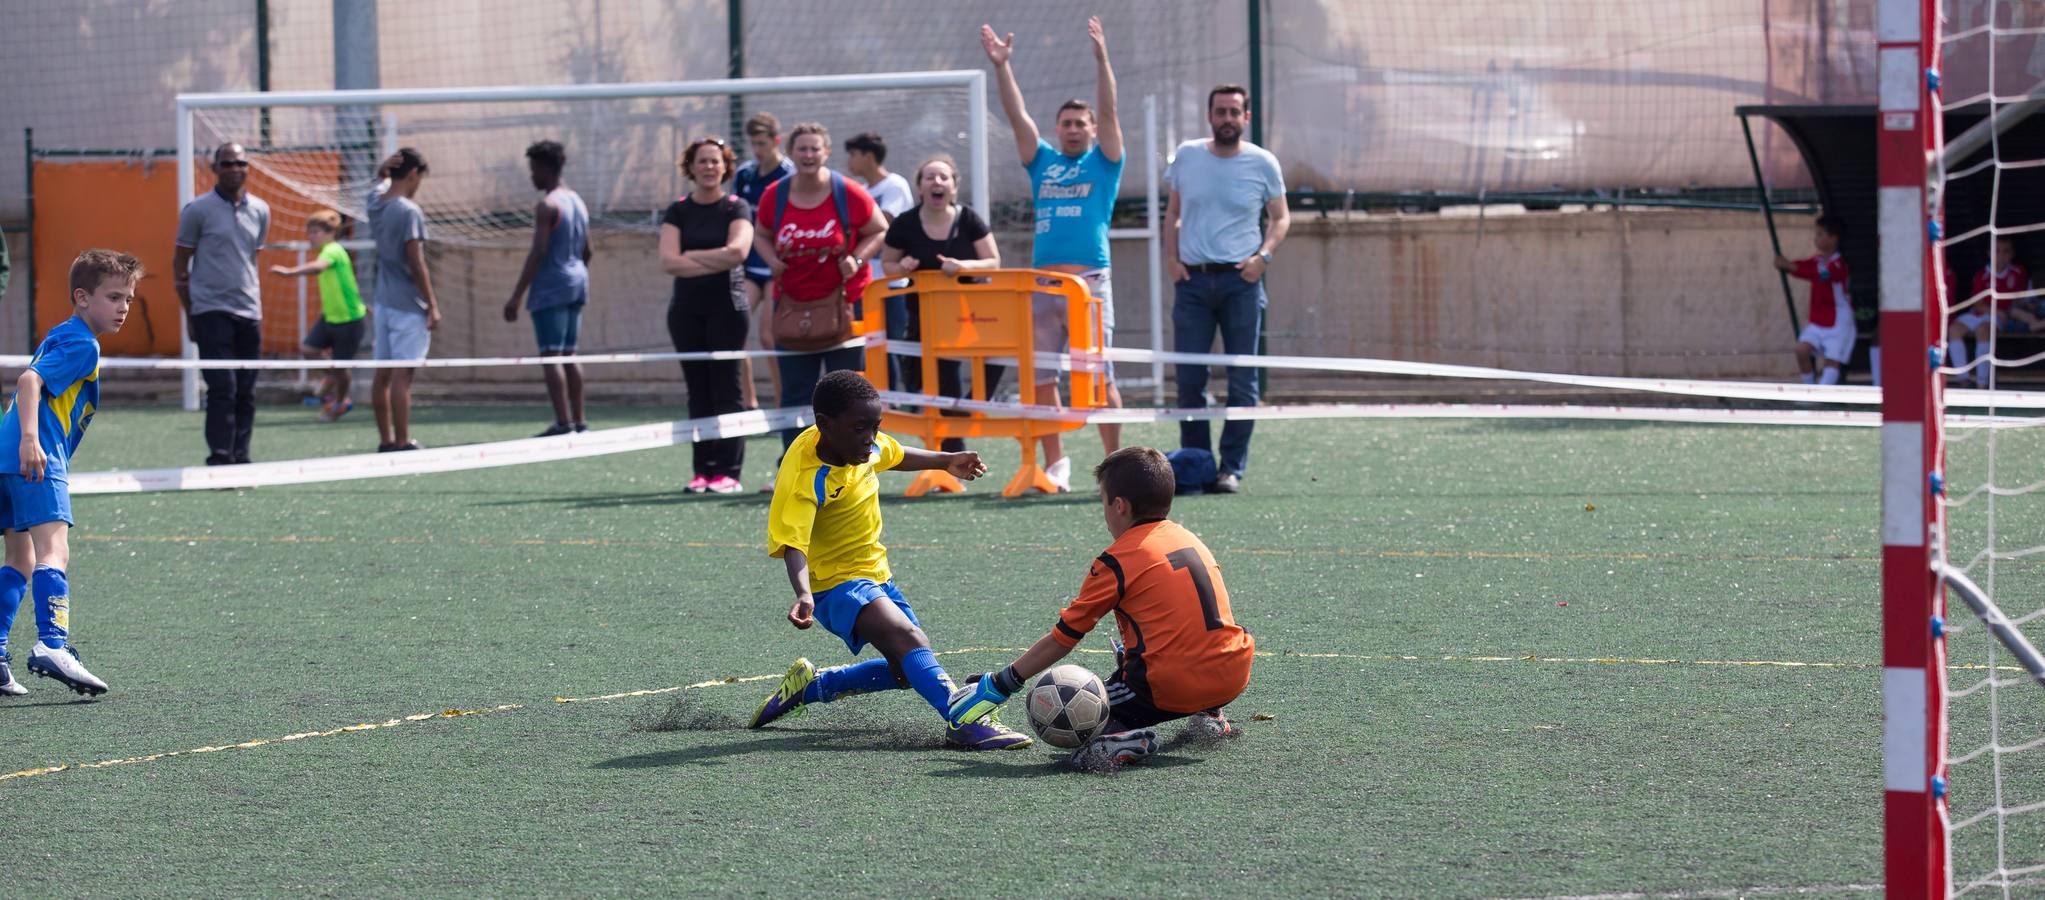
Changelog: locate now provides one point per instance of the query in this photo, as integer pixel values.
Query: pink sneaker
(698, 485)
(725, 484)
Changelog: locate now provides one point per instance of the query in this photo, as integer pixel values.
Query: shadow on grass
(813, 740)
(1031, 764)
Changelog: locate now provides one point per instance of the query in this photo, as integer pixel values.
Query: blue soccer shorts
(838, 608)
(24, 504)
(558, 329)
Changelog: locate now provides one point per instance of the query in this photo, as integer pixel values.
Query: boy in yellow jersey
(53, 402)
(825, 525)
(340, 328)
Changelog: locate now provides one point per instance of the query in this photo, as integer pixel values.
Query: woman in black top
(703, 241)
(943, 235)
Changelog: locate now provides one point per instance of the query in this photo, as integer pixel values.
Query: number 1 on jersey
(1189, 559)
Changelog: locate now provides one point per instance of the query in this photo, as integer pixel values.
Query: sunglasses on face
(233, 164)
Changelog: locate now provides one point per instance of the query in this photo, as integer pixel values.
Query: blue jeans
(1201, 305)
(800, 374)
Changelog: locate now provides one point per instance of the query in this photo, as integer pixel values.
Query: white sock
(1957, 354)
(1831, 375)
(1981, 370)
(1809, 378)
(1874, 357)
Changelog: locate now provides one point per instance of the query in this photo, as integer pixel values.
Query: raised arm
(1019, 121)
(1109, 124)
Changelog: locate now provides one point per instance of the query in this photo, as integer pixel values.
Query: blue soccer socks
(927, 676)
(53, 607)
(863, 677)
(13, 586)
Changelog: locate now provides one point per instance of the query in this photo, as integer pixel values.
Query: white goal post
(973, 83)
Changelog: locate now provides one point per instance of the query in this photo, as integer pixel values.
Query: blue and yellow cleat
(987, 734)
(786, 699)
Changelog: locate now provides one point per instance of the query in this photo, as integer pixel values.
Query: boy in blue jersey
(1074, 185)
(824, 525)
(54, 400)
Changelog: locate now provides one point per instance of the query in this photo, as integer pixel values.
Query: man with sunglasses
(214, 269)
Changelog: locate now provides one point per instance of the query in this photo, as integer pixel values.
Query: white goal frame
(972, 81)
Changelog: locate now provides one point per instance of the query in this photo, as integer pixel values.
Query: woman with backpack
(816, 231)
(704, 237)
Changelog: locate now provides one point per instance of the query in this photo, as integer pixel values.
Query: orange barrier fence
(130, 204)
(974, 318)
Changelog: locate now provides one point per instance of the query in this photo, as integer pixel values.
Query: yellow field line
(247, 745)
(745, 679)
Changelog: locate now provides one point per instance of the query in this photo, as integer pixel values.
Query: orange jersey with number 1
(1181, 642)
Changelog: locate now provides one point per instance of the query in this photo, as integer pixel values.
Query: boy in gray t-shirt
(406, 310)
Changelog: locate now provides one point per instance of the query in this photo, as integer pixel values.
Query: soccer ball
(1068, 706)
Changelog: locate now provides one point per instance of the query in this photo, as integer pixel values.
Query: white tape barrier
(441, 459)
(1683, 415)
(668, 434)
(1853, 395)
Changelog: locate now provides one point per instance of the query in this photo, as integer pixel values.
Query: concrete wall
(1655, 292)
(1650, 293)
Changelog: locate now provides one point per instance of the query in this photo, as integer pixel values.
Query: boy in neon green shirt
(339, 331)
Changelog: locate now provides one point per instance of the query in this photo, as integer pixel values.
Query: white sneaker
(8, 686)
(1228, 483)
(62, 664)
(1060, 474)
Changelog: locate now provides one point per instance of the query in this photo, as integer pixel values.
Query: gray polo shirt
(224, 238)
(395, 222)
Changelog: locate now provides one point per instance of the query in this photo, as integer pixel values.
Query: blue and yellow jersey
(68, 363)
(831, 513)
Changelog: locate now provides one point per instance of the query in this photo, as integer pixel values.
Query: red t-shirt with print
(812, 240)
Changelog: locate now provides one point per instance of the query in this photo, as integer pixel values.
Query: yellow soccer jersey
(831, 513)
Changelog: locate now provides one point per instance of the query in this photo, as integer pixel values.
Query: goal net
(1966, 763)
(311, 151)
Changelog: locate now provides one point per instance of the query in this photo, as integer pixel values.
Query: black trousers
(230, 393)
(712, 322)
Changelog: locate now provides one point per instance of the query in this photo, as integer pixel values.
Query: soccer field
(1497, 659)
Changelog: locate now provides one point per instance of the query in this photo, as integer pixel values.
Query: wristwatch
(1266, 254)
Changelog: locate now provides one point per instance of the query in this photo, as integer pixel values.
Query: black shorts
(1129, 706)
(345, 339)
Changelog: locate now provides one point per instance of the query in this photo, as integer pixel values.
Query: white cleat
(62, 664)
(8, 686)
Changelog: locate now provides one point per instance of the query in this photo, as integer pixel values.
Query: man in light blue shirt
(1217, 255)
(1074, 185)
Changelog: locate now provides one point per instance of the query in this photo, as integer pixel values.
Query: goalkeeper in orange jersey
(1181, 654)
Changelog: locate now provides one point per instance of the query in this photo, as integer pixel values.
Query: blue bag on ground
(1193, 469)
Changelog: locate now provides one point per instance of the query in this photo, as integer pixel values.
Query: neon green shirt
(340, 301)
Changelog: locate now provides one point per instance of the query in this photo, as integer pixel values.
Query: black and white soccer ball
(1068, 706)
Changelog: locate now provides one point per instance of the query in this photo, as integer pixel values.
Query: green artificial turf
(1502, 659)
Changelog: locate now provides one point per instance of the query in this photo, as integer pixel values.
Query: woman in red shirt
(812, 253)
